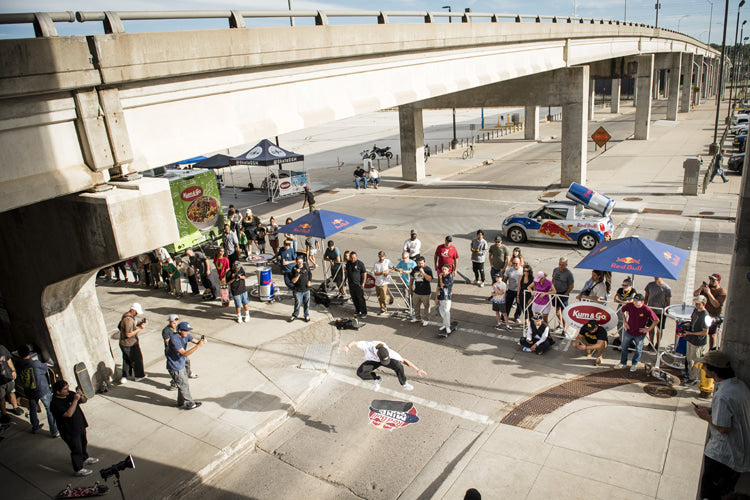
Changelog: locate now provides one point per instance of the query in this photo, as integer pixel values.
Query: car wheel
(516, 235)
(587, 241)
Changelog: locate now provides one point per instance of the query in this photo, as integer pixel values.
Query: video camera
(113, 470)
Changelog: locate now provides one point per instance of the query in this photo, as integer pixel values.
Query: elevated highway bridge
(81, 116)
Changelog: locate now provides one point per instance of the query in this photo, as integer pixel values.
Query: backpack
(347, 324)
(321, 297)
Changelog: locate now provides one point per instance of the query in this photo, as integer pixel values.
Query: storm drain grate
(550, 194)
(662, 211)
(532, 411)
(317, 357)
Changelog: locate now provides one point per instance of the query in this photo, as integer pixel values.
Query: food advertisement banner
(197, 207)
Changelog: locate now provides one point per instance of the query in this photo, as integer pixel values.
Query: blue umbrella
(636, 255)
(320, 224)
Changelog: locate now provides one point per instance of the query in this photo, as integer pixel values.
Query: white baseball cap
(137, 308)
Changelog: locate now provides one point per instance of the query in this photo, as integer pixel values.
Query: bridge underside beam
(567, 87)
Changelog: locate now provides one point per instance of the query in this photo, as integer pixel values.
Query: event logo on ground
(551, 229)
(339, 223)
(580, 313)
(391, 415)
(191, 193)
(627, 264)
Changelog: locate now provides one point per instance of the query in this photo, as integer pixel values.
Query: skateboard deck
(441, 333)
(382, 404)
(466, 278)
(224, 295)
(83, 491)
(662, 375)
(84, 380)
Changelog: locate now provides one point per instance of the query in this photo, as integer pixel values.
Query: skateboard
(84, 491)
(662, 375)
(224, 295)
(84, 380)
(441, 333)
(383, 404)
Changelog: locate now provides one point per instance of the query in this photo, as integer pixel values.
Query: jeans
(358, 298)
(45, 399)
(359, 181)
(510, 297)
(366, 370)
(180, 380)
(302, 299)
(638, 344)
(478, 268)
(718, 171)
(693, 354)
(132, 361)
(444, 306)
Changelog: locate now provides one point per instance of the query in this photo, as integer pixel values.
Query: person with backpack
(7, 384)
(31, 374)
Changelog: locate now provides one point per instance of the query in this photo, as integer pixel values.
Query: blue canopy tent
(267, 154)
(217, 162)
(636, 255)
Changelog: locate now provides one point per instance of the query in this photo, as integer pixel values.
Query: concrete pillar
(592, 98)
(531, 123)
(52, 302)
(575, 127)
(697, 79)
(411, 130)
(644, 82)
(736, 342)
(673, 91)
(706, 81)
(687, 83)
(615, 105)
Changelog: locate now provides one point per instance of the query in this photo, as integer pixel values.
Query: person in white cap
(132, 358)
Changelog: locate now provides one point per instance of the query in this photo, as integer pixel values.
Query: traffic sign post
(601, 137)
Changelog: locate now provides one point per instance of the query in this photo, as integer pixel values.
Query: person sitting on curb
(374, 177)
(537, 336)
(360, 177)
(592, 338)
(378, 354)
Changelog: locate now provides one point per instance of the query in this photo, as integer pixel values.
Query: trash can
(690, 182)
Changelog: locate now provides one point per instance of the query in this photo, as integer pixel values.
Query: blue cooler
(590, 199)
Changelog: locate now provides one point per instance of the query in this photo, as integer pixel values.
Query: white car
(559, 221)
(739, 129)
(740, 118)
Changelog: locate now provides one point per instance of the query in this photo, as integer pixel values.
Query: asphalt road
(329, 449)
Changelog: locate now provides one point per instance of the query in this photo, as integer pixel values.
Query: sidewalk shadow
(261, 401)
(134, 393)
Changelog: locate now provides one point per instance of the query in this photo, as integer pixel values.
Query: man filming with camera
(176, 357)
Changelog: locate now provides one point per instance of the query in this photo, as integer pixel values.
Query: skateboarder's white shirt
(379, 267)
(371, 352)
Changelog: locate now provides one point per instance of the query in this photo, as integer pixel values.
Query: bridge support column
(673, 96)
(531, 123)
(53, 303)
(575, 126)
(644, 83)
(687, 82)
(615, 96)
(592, 98)
(411, 130)
(697, 80)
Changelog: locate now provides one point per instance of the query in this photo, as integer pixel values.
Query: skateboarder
(71, 422)
(378, 354)
(444, 296)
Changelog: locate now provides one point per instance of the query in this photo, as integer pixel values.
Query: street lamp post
(454, 142)
(291, 19)
(715, 147)
(710, 19)
(657, 6)
(680, 20)
(734, 69)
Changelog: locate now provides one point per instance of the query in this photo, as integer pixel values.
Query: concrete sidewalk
(251, 380)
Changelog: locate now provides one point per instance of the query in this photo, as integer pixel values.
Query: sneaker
(145, 376)
(618, 366)
(239, 318)
(377, 383)
(17, 411)
(363, 316)
(55, 435)
(425, 323)
(598, 361)
(481, 284)
(307, 319)
(35, 429)
(247, 317)
(508, 327)
(413, 320)
(589, 353)
(292, 318)
(633, 368)
(498, 326)
(442, 328)
(84, 472)
(123, 380)
(476, 282)
(408, 387)
(448, 331)
(193, 375)
(526, 349)
(382, 313)
(91, 461)
(193, 406)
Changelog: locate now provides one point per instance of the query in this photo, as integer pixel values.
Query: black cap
(385, 358)
(449, 238)
(639, 297)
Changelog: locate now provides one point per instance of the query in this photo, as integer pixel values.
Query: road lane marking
(450, 410)
(687, 297)
(629, 222)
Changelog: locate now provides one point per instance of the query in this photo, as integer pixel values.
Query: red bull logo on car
(551, 229)
(626, 264)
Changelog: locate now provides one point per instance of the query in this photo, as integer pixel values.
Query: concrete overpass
(82, 115)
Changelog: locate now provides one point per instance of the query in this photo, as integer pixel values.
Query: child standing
(498, 302)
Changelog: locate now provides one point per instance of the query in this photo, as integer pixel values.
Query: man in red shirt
(447, 254)
(640, 320)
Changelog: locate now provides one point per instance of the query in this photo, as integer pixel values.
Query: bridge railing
(44, 22)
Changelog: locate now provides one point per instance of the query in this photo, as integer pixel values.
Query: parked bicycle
(469, 153)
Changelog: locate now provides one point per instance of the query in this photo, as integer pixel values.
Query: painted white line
(629, 222)
(687, 296)
(450, 410)
(458, 182)
(560, 344)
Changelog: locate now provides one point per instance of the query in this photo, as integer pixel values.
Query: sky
(692, 17)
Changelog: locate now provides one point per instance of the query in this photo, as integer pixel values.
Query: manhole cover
(705, 213)
(660, 391)
(369, 228)
(430, 204)
(632, 198)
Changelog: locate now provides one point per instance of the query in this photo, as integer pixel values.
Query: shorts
(313, 251)
(498, 306)
(539, 308)
(585, 340)
(6, 389)
(560, 301)
(241, 299)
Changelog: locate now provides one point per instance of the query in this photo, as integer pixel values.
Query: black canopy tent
(217, 162)
(267, 154)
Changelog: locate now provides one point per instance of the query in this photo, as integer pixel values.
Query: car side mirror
(538, 219)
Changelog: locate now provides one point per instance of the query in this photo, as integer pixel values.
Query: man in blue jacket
(32, 376)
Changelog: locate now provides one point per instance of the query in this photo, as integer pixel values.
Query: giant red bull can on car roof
(590, 199)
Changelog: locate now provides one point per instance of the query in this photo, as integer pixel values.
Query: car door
(553, 224)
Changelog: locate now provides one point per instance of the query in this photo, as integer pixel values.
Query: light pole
(625, 17)
(734, 69)
(291, 19)
(710, 19)
(715, 147)
(454, 142)
(657, 6)
(680, 20)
